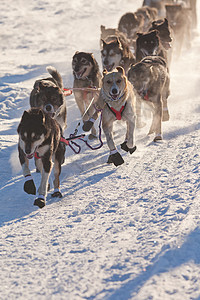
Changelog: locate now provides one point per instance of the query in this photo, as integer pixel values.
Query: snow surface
(131, 232)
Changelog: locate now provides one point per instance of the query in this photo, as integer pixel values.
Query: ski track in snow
(130, 232)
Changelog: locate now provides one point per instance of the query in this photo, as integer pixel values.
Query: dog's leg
(114, 157)
(58, 159)
(42, 191)
(165, 95)
(139, 122)
(129, 143)
(157, 119)
(29, 186)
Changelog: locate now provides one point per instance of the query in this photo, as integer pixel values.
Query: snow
(118, 233)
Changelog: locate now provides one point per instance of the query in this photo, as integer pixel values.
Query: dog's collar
(117, 113)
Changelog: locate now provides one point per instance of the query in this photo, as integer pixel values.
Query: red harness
(117, 113)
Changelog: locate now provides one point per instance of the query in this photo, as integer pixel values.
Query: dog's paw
(116, 159)
(127, 149)
(87, 125)
(157, 138)
(29, 187)
(40, 202)
(56, 194)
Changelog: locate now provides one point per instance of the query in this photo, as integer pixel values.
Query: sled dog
(86, 75)
(150, 79)
(117, 101)
(39, 135)
(47, 94)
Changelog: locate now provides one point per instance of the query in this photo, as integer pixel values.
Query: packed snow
(118, 233)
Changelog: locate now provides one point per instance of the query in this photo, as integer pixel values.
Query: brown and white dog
(86, 75)
(40, 134)
(117, 102)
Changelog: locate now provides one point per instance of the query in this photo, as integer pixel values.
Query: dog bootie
(29, 185)
(127, 149)
(116, 159)
(56, 194)
(87, 126)
(40, 202)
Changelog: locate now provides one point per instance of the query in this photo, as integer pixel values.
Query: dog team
(136, 60)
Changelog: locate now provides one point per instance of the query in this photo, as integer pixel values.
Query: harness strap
(117, 113)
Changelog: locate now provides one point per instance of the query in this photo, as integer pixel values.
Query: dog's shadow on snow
(164, 262)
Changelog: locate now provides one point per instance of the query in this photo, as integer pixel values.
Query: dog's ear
(104, 43)
(103, 28)
(104, 72)
(25, 116)
(139, 34)
(166, 21)
(120, 44)
(153, 24)
(120, 70)
(77, 52)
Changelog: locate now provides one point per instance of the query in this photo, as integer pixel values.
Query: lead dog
(150, 79)
(117, 102)
(40, 134)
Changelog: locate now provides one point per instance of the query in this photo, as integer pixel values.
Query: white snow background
(118, 233)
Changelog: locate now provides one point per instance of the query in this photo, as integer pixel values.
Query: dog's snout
(28, 148)
(114, 91)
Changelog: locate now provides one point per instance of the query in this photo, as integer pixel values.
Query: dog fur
(165, 34)
(131, 23)
(115, 53)
(180, 20)
(158, 4)
(47, 94)
(39, 133)
(86, 74)
(149, 13)
(116, 93)
(150, 79)
(148, 44)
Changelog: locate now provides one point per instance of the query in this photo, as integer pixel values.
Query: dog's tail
(56, 75)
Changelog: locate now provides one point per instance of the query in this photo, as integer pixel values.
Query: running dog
(131, 23)
(117, 102)
(48, 95)
(150, 79)
(86, 75)
(149, 13)
(39, 134)
(180, 20)
(149, 44)
(116, 53)
(165, 34)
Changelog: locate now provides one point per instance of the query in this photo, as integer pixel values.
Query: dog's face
(172, 12)
(31, 132)
(139, 75)
(163, 27)
(130, 23)
(148, 43)
(111, 54)
(48, 96)
(82, 64)
(114, 83)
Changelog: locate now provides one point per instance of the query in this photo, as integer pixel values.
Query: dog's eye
(83, 60)
(109, 81)
(75, 60)
(119, 81)
(152, 42)
(145, 42)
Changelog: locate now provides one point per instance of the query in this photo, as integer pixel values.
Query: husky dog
(40, 134)
(165, 34)
(149, 13)
(130, 23)
(117, 101)
(86, 75)
(116, 53)
(105, 32)
(179, 19)
(150, 79)
(149, 44)
(48, 95)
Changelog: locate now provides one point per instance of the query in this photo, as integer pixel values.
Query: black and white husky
(39, 135)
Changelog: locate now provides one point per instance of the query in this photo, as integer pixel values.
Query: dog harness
(117, 113)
